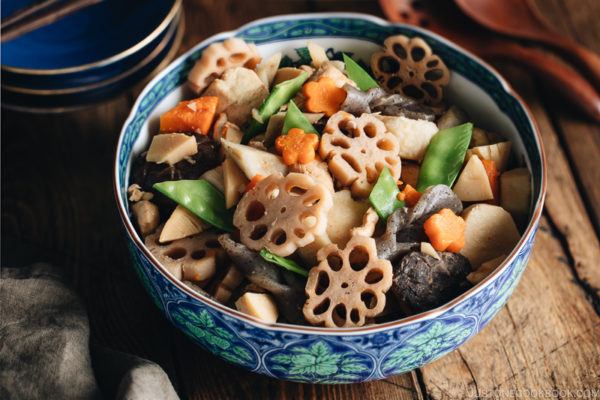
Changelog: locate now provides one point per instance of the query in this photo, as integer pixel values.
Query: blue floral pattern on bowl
(317, 355)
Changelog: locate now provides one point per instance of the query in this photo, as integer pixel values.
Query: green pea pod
(384, 195)
(283, 262)
(280, 95)
(444, 156)
(355, 72)
(201, 198)
(295, 119)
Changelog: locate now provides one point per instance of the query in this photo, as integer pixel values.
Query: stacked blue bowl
(90, 56)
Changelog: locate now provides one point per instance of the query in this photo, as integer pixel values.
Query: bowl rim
(302, 329)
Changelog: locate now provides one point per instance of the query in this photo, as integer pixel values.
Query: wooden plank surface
(57, 199)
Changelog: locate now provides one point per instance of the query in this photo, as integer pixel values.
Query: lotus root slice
(347, 288)
(194, 258)
(219, 57)
(357, 150)
(409, 67)
(282, 214)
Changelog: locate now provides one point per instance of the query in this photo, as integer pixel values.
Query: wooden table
(57, 199)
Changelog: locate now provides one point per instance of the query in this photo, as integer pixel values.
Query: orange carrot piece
(190, 116)
(253, 182)
(492, 174)
(297, 146)
(446, 231)
(411, 195)
(323, 96)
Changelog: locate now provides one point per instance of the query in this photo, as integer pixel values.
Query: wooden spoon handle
(566, 80)
(584, 58)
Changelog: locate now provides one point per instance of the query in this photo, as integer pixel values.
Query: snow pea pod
(444, 156)
(283, 262)
(280, 95)
(384, 195)
(295, 119)
(201, 198)
(356, 73)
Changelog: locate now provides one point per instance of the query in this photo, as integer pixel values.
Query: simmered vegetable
(283, 262)
(363, 80)
(334, 202)
(384, 196)
(295, 119)
(280, 95)
(444, 156)
(201, 198)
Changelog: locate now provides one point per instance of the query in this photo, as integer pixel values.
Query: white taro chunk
(282, 214)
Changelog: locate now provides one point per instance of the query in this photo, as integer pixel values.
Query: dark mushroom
(357, 102)
(403, 106)
(287, 290)
(404, 228)
(423, 282)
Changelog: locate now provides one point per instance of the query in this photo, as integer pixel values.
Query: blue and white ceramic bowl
(322, 355)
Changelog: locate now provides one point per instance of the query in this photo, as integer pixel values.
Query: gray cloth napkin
(45, 352)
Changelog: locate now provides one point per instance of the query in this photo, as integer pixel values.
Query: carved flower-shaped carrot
(297, 146)
(323, 96)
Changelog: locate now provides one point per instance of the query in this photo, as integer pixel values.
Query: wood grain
(57, 196)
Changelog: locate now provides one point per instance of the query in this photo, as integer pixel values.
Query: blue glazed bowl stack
(90, 56)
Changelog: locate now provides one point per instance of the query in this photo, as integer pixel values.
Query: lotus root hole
(283, 210)
(176, 253)
(345, 128)
(198, 254)
(374, 276)
(339, 142)
(344, 285)
(299, 233)
(334, 261)
(393, 82)
(258, 232)
(417, 53)
(279, 237)
(339, 315)
(322, 307)
(391, 160)
(413, 91)
(354, 164)
(308, 220)
(434, 74)
(399, 50)
(255, 211)
(311, 201)
(322, 283)
(389, 65)
(429, 88)
(272, 191)
(385, 144)
(296, 190)
(359, 258)
(370, 130)
(432, 63)
(237, 57)
(354, 316)
(221, 62)
(369, 299)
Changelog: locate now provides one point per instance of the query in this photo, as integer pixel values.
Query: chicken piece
(146, 216)
(239, 90)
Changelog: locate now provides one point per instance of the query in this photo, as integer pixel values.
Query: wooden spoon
(444, 18)
(517, 18)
